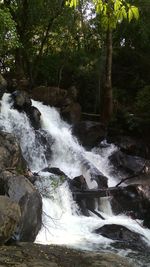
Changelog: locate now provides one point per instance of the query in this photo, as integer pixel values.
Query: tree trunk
(107, 101)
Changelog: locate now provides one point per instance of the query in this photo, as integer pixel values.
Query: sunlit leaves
(112, 11)
(133, 12)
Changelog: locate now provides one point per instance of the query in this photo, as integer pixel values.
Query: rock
(23, 103)
(10, 152)
(44, 139)
(34, 115)
(126, 164)
(71, 111)
(89, 133)
(133, 200)
(52, 96)
(131, 146)
(54, 170)
(3, 86)
(9, 218)
(21, 100)
(19, 189)
(101, 180)
(121, 233)
(36, 255)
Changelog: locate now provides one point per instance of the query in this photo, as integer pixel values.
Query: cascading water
(62, 221)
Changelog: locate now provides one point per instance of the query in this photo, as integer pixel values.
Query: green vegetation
(101, 47)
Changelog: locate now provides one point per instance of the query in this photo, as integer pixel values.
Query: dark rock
(10, 152)
(130, 145)
(3, 86)
(89, 133)
(9, 218)
(126, 164)
(54, 170)
(71, 111)
(123, 234)
(78, 183)
(44, 139)
(22, 103)
(52, 96)
(21, 100)
(133, 200)
(19, 189)
(101, 180)
(34, 115)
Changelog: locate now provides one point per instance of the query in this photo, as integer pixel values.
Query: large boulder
(89, 133)
(22, 103)
(21, 100)
(19, 189)
(10, 152)
(122, 234)
(9, 218)
(126, 164)
(52, 96)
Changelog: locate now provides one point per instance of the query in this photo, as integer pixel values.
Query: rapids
(62, 221)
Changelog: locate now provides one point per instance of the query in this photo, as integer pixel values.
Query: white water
(63, 223)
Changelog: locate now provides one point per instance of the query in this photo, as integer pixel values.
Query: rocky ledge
(35, 255)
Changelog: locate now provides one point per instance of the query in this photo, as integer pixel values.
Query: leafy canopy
(112, 11)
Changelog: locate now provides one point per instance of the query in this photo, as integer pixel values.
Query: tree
(112, 13)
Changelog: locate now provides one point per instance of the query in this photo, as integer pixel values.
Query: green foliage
(8, 34)
(112, 11)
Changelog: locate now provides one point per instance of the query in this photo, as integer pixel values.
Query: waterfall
(62, 220)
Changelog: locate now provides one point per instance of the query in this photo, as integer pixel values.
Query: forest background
(52, 44)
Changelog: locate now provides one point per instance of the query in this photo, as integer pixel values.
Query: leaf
(135, 12)
(130, 14)
(117, 5)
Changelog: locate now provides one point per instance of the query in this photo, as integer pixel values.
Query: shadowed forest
(100, 48)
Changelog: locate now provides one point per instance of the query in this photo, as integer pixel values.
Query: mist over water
(62, 220)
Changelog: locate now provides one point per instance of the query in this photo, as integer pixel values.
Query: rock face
(9, 218)
(10, 152)
(19, 189)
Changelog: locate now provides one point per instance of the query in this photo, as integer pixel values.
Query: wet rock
(89, 133)
(21, 100)
(129, 145)
(126, 164)
(121, 233)
(19, 189)
(133, 200)
(54, 170)
(10, 152)
(101, 180)
(34, 115)
(9, 218)
(3, 86)
(22, 103)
